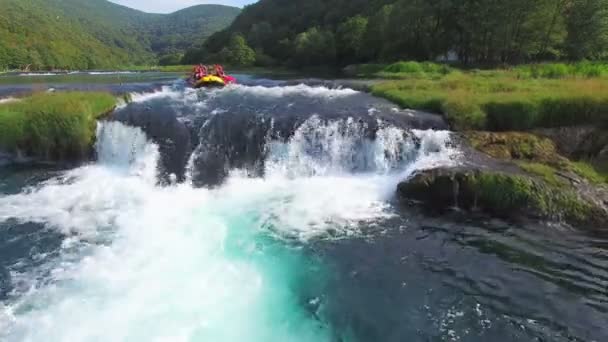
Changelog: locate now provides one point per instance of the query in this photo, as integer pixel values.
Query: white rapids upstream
(141, 262)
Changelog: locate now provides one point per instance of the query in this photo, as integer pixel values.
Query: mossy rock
(515, 145)
(536, 155)
(502, 195)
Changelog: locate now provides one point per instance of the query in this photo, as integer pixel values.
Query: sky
(168, 6)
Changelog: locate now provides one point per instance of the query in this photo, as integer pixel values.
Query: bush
(53, 126)
(238, 53)
(511, 115)
(264, 60)
(570, 111)
(559, 70)
(463, 114)
(405, 68)
(416, 68)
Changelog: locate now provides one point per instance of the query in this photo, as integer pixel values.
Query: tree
(350, 39)
(314, 47)
(171, 59)
(238, 52)
(587, 24)
(376, 35)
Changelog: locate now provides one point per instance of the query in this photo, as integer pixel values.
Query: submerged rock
(504, 195)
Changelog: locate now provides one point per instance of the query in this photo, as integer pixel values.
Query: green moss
(505, 193)
(536, 155)
(515, 145)
(589, 172)
(53, 125)
(546, 172)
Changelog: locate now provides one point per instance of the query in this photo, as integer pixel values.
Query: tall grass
(501, 101)
(560, 70)
(406, 69)
(53, 126)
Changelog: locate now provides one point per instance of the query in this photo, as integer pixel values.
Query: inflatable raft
(209, 81)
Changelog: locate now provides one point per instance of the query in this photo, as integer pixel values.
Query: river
(278, 223)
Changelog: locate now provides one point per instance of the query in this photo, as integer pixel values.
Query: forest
(468, 32)
(97, 34)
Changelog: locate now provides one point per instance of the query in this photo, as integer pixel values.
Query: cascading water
(142, 262)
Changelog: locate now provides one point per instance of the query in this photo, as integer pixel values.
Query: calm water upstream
(284, 228)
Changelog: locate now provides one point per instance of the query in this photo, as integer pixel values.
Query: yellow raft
(210, 81)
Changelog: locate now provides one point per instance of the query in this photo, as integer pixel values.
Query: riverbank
(52, 126)
(550, 122)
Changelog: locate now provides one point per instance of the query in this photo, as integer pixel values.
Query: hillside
(178, 31)
(89, 34)
(474, 32)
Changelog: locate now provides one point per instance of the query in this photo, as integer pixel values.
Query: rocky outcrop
(504, 195)
(580, 142)
(516, 174)
(171, 135)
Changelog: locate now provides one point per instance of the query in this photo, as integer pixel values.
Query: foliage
(470, 32)
(97, 34)
(351, 39)
(53, 126)
(237, 52)
(560, 70)
(587, 29)
(170, 59)
(314, 47)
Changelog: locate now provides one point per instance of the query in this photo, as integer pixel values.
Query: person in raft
(199, 72)
(219, 72)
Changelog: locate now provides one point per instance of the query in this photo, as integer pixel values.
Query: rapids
(274, 220)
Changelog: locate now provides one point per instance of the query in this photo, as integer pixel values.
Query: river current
(281, 225)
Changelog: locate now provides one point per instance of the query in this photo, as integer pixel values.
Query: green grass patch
(499, 100)
(53, 126)
(589, 172)
(561, 70)
(544, 171)
(411, 69)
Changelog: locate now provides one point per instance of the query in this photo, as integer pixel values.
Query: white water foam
(287, 91)
(188, 264)
(342, 147)
(9, 100)
(187, 96)
(111, 72)
(34, 74)
(191, 96)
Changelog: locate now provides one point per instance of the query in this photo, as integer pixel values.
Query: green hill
(178, 31)
(474, 32)
(90, 34)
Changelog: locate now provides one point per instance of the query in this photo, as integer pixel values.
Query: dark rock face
(504, 195)
(229, 142)
(580, 142)
(171, 135)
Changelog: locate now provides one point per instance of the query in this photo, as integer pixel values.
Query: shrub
(462, 113)
(569, 111)
(511, 115)
(405, 67)
(416, 68)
